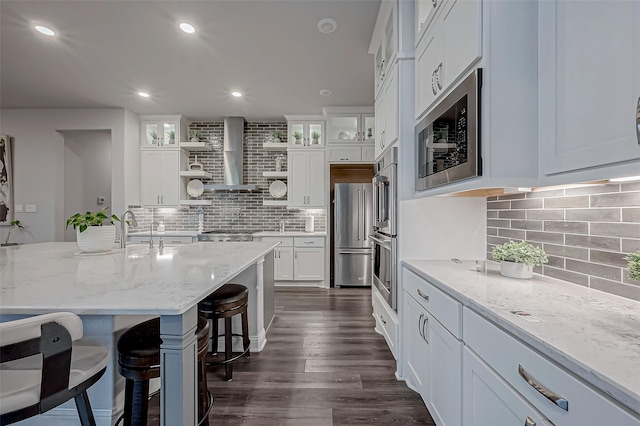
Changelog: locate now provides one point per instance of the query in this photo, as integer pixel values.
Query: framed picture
(6, 180)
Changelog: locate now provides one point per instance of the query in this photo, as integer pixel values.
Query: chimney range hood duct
(233, 157)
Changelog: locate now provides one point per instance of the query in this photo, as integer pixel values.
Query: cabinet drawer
(345, 154)
(308, 242)
(386, 321)
(166, 239)
(444, 308)
(508, 356)
(284, 241)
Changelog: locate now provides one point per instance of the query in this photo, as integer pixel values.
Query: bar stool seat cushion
(228, 294)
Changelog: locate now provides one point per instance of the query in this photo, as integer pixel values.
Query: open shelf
(196, 146)
(275, 146)
(196, 202)
(443, 146)
(275, 174)
(275, 203)
(195, 174)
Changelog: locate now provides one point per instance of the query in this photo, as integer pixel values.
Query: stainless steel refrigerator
(352, 225)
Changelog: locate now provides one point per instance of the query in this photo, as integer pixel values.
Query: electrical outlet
(30, 208)
(100, 201)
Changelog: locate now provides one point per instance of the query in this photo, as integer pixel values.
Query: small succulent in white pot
(298, 137)
(517, 259)
(634, 265)
(193, 136)
(277, 136)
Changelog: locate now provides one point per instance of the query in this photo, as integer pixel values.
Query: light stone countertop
(160, 234)
(49, 277)
(290, 234)
(593, 334)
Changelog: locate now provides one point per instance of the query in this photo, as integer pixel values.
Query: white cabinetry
(435, 364)
(387, 114)
(309, 129)
(306, 179)
(162, 131)
(452, 44)
(298, 259)
(350, 128)
(588, 97)
(387, 323)
(159, 178)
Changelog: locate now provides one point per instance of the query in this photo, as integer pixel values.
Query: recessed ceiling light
(325, 92)
(187, 28)
(236, 94)
(327, 25)
(144, 94)
(44, 30)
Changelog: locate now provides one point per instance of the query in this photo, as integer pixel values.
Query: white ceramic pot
(276, 140)
(96, 238)
(194, 140)
(516, 270)
(314, 141)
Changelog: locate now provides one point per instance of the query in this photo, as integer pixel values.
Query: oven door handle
(385, 243)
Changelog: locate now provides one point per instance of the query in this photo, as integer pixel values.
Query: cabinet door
(158, 134)
(416, 348)
(308, 264)
(343, 128)
(444, 396)
(368, 128)
(380, 121)
(588, 96)
(368, 153)
(283, 264)
(391, 109)
(296, 128)
(462, 39)
(344, 154)
(489, 400)
(298, 178)
(430, 55)
(315, 178)
(159, 178)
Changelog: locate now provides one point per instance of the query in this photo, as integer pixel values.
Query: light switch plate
(30, 208)
(18, 208)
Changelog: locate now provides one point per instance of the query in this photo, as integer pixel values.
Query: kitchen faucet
(123, 227)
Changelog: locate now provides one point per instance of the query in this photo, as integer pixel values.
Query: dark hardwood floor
(323, 365)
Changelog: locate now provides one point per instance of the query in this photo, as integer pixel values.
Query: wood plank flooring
(323, 365)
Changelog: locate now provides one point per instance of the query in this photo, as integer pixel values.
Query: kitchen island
(113, 291)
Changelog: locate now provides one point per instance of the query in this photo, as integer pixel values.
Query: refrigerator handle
(364, 215)
(359, 212)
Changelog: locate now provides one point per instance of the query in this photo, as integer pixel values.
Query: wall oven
(448, 138)
(384, 245)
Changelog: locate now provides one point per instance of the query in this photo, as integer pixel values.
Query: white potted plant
(298, 137)
(193, 136)
(634, 265)
(277, 136)
(172, 136)
(91, 232)
(14, 225)
(518, 259)
(154, 138)
(315, 136)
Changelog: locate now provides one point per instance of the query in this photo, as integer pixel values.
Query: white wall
(87, 173)
(443, 228)
(39, 161)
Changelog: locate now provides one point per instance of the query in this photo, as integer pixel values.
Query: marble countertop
(591, 333)
(160, 234)
(48, 277)
(290, 234)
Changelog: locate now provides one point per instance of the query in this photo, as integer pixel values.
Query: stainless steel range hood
(233, 157)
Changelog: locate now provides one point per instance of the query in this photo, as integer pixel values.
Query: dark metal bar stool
(139, 361)
(226, 302)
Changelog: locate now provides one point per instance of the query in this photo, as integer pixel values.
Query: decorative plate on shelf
(344, 135)
(278, 189)
(195, 188)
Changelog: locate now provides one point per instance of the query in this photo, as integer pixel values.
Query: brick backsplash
(586, 231)
(235, 211)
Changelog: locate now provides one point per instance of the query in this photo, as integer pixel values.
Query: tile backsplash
(235, 211)
(586, 231)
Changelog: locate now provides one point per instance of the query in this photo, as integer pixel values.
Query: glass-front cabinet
(350, 128)
(162, 131)
(305, 133)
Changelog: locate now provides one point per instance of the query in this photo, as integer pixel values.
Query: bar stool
(226, 302)
(139, 361)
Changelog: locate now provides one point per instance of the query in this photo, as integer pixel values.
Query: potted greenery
(193, 136)
(518, 259)
(14, 225)
(298, 137)
(634, 265)
(277, 136)
(92, 234)
(172, 136)
(154, 137)
(314, 137)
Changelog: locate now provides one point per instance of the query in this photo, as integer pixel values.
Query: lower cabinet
(387, 323)
(298, 258)
(283, 264)
(416, 346)
(489, 400)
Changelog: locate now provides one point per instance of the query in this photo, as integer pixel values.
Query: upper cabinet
(349, 128)
(386, 114)
(425, 11)
(159, 178)
(306, 170)
(451, 45)
(162, 131)
(305, 131)
(387, 48)
(589, 93)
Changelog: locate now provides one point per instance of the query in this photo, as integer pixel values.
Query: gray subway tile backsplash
(587, 231)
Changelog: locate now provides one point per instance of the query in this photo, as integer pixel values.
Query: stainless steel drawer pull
(638, 121)
(424, 296)
(425, 323)
(420, 325)
(556, 399)
(529, 422)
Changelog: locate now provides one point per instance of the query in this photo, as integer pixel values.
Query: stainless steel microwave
(448, 138)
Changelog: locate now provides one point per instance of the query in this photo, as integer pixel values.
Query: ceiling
(105, 52)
